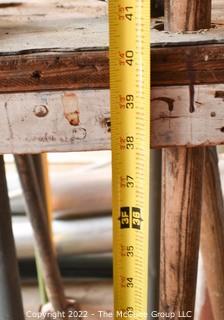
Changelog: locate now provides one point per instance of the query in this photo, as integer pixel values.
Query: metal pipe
(43, 241)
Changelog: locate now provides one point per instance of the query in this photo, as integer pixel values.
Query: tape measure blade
(129, 84)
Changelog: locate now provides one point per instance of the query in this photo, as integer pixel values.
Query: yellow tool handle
(130, 118)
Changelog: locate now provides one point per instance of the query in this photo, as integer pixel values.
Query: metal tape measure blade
(129, 84)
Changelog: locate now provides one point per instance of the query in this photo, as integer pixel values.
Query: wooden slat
(189, 116)
(89, 69)
(58, 121)
(187, 65)
(52, 70)
(212, 233)
(41, 8)
(182, 188)
(180, 229)
(80, 120)
(42, 25)
(54, 45)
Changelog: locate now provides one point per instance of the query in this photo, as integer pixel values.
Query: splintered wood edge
(80, 120)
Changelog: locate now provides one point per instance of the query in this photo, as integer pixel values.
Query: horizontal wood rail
(54, 80)
(80, 120)
(36, 70)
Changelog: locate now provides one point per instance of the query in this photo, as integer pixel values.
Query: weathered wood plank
(41, 8)
(40, 25)
(52, 70)
(199, 109)
(80, 120)
(53, 45)
(62, 24)
(212, 233)
(161, 38)
(182, 189)
(180, 230)
(187, 65)
(59, 121)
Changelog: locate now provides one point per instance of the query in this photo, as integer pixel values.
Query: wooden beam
(52, 70)
(181, 215)
(37, 54)
(187, 65)
(39, 122)
(198, 108)
(89, 69)
(212, 233)
(182, 189)
(62, 121)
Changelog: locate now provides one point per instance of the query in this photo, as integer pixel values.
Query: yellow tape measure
(129, 84)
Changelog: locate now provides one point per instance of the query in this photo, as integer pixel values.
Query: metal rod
(11, 307)
(43, 240)
(41, 166)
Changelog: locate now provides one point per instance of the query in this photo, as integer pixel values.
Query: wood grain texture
(60, 121)
(212, 233)
(53, 24)
(170, 105)
(39, 24)
(187, 15)
(181, 215)
(77, 69)
(54, 45)
(52, 70)
(187, 65)
(89, 69)
(182, 188)
(80, 120)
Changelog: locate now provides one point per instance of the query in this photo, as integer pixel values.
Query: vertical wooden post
(10, 296)
(212, 233)
(187, 15)
(182, 188)
(181, 212)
